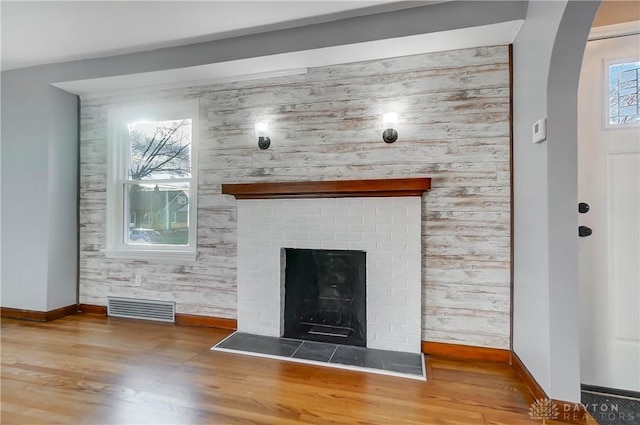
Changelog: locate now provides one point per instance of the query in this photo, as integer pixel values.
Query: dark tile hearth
(316, 351)
(407, 365)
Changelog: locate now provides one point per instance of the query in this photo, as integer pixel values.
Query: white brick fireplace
(387, 228)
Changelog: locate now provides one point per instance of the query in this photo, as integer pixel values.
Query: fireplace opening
(325, 296)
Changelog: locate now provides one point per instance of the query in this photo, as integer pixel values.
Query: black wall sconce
(262, 132)
(390, 123)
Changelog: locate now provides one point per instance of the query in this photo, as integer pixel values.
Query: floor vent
(163, 311)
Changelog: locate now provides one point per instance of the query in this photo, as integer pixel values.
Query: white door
(609, 182)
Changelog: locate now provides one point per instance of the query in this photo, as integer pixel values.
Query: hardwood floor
(93, 369)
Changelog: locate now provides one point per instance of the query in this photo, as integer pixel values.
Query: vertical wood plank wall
(327, 124)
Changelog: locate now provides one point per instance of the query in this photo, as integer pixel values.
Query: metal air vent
(163, 311)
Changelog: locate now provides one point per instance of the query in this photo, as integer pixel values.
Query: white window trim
(117, 164)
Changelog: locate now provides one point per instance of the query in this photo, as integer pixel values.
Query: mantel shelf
(329, 189)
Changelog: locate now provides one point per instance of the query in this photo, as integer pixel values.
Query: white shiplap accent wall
(327, 125)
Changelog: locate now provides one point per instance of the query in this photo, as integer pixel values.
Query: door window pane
(623, 93)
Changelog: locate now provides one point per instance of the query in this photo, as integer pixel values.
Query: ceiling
(43, 32)
(613, 12)
(47, 32)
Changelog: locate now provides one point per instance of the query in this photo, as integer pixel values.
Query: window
(152, 170)
(623, 91)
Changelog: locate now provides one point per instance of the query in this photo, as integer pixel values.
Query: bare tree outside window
(160, 149)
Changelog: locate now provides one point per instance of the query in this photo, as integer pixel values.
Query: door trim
(615, 30)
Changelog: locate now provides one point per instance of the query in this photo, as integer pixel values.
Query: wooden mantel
(329, 189)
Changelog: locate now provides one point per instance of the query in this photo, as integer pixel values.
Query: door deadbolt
(583, 207)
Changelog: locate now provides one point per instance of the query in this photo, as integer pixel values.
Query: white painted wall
(39, 190)
(62, 198)
(562, 159)
(0, 200)
(547, 57)
(24, 191)
(531, 59)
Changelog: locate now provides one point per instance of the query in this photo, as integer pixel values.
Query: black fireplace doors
(325, 296)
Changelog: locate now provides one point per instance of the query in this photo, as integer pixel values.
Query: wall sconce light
(390, 122)
(262, 132)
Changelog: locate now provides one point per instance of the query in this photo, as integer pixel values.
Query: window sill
(182, 257)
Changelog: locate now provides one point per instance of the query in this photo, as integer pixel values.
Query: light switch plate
(539, 131)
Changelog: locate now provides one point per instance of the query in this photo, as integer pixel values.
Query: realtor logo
(544, 409)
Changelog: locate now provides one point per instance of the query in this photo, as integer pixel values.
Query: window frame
(118, 160)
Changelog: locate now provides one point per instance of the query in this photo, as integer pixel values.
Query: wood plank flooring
(97, 370)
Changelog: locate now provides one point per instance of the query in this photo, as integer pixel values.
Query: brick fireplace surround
(380, 217)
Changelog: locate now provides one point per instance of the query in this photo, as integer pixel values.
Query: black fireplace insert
(325, 296)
